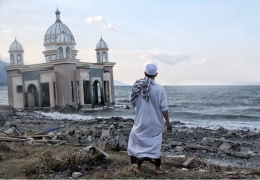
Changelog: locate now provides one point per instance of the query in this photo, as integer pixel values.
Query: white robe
(145, 139)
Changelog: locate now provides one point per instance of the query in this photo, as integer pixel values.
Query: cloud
(163, 57)
(6, 31)
(102, 22)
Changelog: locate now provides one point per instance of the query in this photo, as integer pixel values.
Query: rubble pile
(221, 147)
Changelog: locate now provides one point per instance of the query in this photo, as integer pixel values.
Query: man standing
(150, 102)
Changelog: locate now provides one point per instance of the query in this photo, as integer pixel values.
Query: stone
(207, 141)
(203, 170)
(111, 126)
(97, 133)
(57, 176)
(76, 174)
(225, 146)
(179, 149)
(122, 142)
(105, 134)
(222, 130)
(175, 143)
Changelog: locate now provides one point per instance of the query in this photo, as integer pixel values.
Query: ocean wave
(194, 115)
(60, 116)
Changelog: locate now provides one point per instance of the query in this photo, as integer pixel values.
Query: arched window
(19, 59)
(50, 58)
(98, 57)
(12, 59)
(67, 52)
(104, 57)
(60, 53)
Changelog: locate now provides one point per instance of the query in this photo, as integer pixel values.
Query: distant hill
(3, 80)
(118, 83)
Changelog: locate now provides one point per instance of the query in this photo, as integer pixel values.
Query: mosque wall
(82, 76)
(66, 84)
(111, 85)
(31, 78)
(96, 74)
(18, 91)
(10, 85)
(50, 78)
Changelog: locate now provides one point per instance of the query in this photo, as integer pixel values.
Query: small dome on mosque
(16, 46)
(102, 44)
(54, 31)
(63, 38)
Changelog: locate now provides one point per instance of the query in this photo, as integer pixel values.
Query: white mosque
(62, 79)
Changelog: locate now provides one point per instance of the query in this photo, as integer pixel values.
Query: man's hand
(169, 127)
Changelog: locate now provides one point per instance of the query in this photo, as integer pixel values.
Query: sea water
(231, 107)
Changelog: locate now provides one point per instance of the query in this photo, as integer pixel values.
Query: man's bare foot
(160, 170)
(136, 170)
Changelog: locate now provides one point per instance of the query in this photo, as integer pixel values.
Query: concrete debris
(76, 175)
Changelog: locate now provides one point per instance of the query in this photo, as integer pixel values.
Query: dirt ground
(20, 160)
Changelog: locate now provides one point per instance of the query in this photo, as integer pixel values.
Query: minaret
(57, 15)
(16, 53)
(102, 51)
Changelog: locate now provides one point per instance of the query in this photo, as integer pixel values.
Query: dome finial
(57, 11)
(57, 15)
(15, 39)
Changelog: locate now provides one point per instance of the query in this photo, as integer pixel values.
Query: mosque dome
(63, 38)
(55, 30)
(101, 44)
(16, 46)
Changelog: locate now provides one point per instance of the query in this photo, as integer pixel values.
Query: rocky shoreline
(222, 147)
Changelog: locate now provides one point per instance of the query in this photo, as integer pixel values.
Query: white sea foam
(60, 116)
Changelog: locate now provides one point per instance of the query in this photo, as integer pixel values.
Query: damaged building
(62, 79)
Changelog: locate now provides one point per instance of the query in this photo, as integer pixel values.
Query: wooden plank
(188, 161)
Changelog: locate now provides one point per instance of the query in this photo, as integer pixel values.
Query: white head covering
(151, 69)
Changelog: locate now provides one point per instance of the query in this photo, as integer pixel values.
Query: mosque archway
(68, 52)
(45, 94)
(60, 53)
(12, 59)
(32, 95)
(97, 93)
(104, 59)
(19, 59)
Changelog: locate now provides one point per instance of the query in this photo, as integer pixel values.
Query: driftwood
(188, 161)
(45, 141)
(39, 136)
(200, 147)
(11, 139)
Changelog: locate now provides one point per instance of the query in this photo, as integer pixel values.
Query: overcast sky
(193, 42)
